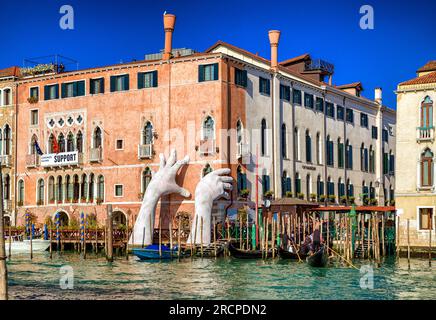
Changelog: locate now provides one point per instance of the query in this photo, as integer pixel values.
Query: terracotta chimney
(378, 95)
(169, 23)
(274, 37)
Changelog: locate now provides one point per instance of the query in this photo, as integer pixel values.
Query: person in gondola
(306, 246)
(316, 237)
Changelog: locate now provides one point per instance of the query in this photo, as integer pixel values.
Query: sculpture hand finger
(162, 161)
(227, 186)
(172, 159)
(183, 192)
(220, 172)
(226, 179)
(180, 163)
(226, 195)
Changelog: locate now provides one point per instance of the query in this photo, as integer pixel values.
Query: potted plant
(365, 201)
(332, 198)
(99, 201)
(20, 203)
(288, 194)
(244, 193)
(343, 199)
(313, 197)
(351, 199)
(392, 202)
(373, 202)
(322, 198)
(40, 202)
(269, 194)
(32, 100)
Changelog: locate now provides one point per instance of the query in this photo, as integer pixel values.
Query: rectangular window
(73, 89)
(374, 132)
(340, 155)
(208, 72)
(308, 100)
(51, 92)
(119, 145)
(34, 93)
(147, 79)
(330, 157)
(296, 96)
(385, 163)
(285, 92)
(96, 86)
(241, 78)
(120, 83)
(349, 115)
(349, 157)
(264, 86)
(391, 164)
(330, 109)
(426, 218)
(364, 120)
(385, 135)
(340, 114)
(319, 104)
(119, 190)
(33, 117)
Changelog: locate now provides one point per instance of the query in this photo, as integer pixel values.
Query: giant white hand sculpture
(162, 183)
(211, 187)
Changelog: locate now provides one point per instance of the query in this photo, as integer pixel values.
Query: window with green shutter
(264, 86)
(96, 86)
(147, 79)
(340, 114)
(330, 109)
(285, 92)
(73, 89)
(241, 78)
(340, 155)
(296, 96)
(374, 132)
(349, 115)
(364, 120)
(120, 83)
(208, 72)
(51, 92)
(319, 104)
(308, 100)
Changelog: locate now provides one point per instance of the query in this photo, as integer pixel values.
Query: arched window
(365, 192)
(70, 142)
(76, 188)
(7, 187)
(7, 97)
(297, 143)
(427, 113)
(308, 186)
(146, 178)
(7, 136)
(286, 184)
(318, 148)
(70, 190)
(340, 153)
(350, 189)
(319, 187)
(209, 129)
(265, 182)
(348, 155)
(100, 189)
(147, 133)
(391, 162)
(61, 142)
(1, 140)
(371, 191)
(330, 187)
(79, 142)
(97, 138)
(341, 188)
(33, 144)
(329, 151)
(371, 159)
(362, 158)
(206, 170)
(51, 190)
(297, 184)
(241, 179)
(60, 190)
(84, 188)
(308, 147)
(20, 197)
(91, 187)
(40, 192)
(51, 143)
(239, 131)
(283, 142)
(427, 168)
(263, 138)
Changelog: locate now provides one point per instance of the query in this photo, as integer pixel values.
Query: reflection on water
(224, 278)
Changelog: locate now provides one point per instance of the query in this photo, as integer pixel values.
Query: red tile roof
(429, 66)
(292, 60)
(428, 78)
(350, 85)
(10, 72)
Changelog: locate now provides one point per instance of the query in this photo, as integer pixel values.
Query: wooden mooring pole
(50, 237)
(31, 240)
(160, 236)
(10, 242)
(201, 237)
(110, 234)
(429, 245)
(408, 243)
(3, 267)
(178, 237)
(214, 236)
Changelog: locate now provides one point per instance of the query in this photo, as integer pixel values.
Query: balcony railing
(6, 161)
(95, 155)
(145, 151)
(425, 134)
(32, 160)
(207, 147)
(242, 150)
(7, 205)
(318, 64)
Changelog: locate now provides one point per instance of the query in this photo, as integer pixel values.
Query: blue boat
(152, 252)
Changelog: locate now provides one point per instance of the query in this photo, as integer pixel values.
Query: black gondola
(290, 255)
(319, 259)
(246, 254)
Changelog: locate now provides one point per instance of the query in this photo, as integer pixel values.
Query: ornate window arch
(263, 137)
(146, 178)
(208, 128)
(70, 142)
(97, 138)
(147, 133)
(427, 112)
(40, 192)
(427, 170)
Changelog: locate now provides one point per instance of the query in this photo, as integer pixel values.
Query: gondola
(319, 259)
(152, 252)
(290, 255)
(246, 254)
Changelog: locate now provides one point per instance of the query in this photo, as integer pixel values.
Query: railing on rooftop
(318, 64)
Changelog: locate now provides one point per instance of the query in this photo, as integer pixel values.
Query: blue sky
(107, 32)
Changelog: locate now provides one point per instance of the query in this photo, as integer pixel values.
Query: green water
(223, 278)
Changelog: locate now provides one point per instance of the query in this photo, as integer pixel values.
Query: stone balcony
(207, 147)
(95, 155)
(32, 160)
(145, 151)
(425, 134)
(6, 161)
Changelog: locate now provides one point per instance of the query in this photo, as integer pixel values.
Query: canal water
(223, 278)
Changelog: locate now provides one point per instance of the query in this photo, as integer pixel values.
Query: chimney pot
(169, 23)
(274, 37)
(378, 95)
